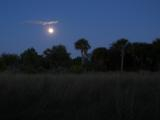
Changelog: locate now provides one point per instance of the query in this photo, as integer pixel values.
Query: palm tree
(120, 45)
(83, 45)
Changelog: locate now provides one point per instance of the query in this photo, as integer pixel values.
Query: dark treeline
(121, 56)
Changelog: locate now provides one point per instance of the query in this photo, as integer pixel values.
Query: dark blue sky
(99, 21)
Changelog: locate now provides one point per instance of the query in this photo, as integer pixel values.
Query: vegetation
(121, 56)
(83, 45)
(113, 96)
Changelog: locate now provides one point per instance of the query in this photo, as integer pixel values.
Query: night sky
(99, 21)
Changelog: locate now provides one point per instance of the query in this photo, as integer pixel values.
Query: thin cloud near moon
(39, 22)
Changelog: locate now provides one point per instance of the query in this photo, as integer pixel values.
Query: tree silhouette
(100, 59)
(122, 55)
(120, 46)
(83, 46)
(156, 54)
(30, 60)
(11, 61)
(2, 65)
(57, 57)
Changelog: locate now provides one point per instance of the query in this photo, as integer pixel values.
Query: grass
(93, 96)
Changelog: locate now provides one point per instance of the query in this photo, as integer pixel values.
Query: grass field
(94, 96)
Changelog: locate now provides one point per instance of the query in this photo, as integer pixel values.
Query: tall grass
(94, 96)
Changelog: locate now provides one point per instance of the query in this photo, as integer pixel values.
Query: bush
(77, 69)
(2, 65)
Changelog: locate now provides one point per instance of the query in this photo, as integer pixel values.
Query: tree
(100, 59)
(30, 61)
(57, 57)
(139, 56)
(83, 45)
(11, 61)
(2, 65)
(119, 46)
(156, 54)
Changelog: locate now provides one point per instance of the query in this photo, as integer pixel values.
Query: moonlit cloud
(42, 22)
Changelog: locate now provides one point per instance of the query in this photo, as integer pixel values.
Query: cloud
(42, 22)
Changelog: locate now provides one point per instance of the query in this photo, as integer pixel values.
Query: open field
(100, 96)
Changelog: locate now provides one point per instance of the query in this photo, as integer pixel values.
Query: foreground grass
(100, 96)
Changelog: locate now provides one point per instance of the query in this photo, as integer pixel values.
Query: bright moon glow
(51, 30)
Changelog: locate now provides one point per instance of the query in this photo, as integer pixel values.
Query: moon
(51, 30)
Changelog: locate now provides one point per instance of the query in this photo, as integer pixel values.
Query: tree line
(122, 55)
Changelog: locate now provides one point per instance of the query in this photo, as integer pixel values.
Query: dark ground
(100, 96)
